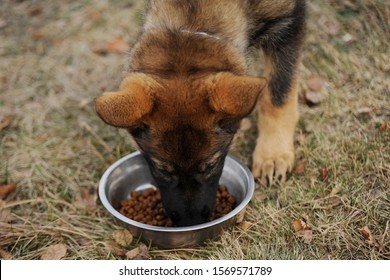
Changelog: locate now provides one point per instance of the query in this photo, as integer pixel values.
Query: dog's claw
(272, 169)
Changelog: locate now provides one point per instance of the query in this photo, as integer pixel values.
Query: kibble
(146, 207)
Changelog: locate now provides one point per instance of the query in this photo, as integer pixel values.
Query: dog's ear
(233, 95)
(126, 107)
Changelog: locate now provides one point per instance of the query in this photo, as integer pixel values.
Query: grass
(56, 148)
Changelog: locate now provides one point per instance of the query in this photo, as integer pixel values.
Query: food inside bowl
(146, 207)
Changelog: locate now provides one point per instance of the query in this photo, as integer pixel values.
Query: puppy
(186, 91)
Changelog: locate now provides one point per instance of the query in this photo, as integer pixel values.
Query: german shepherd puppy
(186, 91)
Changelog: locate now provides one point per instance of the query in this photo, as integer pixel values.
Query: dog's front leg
(273, 156)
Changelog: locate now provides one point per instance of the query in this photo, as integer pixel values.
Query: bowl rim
(103, 198)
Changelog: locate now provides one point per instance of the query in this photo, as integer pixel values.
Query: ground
(56, 56)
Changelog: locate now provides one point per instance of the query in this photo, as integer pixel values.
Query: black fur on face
(186, 165)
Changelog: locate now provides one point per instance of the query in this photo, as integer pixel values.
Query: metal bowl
(131, 173)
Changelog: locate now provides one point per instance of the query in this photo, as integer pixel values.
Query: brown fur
(186, 91)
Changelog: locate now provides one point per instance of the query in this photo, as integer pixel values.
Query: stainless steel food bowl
(131, 173)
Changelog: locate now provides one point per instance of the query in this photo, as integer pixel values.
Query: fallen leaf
(333, 28)
(6, 121)
(300, 169)
(35, 10)
(5, 216)
(347, 38)
(315, 83)
(112, 247)
(303, 230)
(324, 173)
(366, 232)
(306, 235)
(335, 191)
(326, 257)
(245, 225)
(100, 50)
(84, 102)
(38, 35)
(330, 202)
(123, 237)
(245, 124)
(4, 255)
(143, 252)
(313, 98)
(6, 190)
(117, 45)
(297, 225)
(54, 252)
(384, 127)
(85, 200)
(364, 110)
(132, 254)
(139, 253)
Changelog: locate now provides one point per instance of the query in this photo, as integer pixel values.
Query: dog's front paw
(272, 165)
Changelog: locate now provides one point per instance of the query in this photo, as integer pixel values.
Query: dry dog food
(146, 207)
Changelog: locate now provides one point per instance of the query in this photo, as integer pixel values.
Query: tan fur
(274, 152)
(187, 89)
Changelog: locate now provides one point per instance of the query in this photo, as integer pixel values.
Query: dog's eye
(227, 126)
(139, 131)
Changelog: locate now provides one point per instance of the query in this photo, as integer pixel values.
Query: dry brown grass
(56, 148)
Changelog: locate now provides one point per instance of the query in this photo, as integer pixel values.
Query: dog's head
(184, 127)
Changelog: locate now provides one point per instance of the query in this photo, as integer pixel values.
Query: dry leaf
(132, 254)
(84, 102)
(6, 190)
(384, 127)
(85, 200)
(366, 232)
(245, 225)
(245, 124)
(6, 121)
(123, 237)
(35, 10)
(112, 247)
(315, 83)
(364, 110)
(143, 252)
(117, 45)
(324, 173)
(326, 257)
(139, 253)
(54, 252)
(297, 225)
(100, 50)
(303, 230)
(38, 35)
(331, 202)
(334, 191)
(300, 169)
(306, 235)
(347, 38)
(333, 28)
(5, 216)
(4, 255)
(313, 98)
